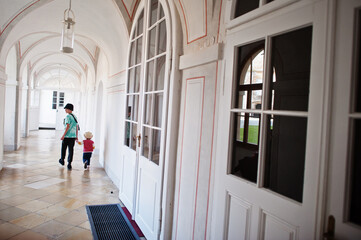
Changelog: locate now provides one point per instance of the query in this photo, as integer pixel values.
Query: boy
(70, 135)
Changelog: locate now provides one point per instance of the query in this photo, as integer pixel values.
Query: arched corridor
(40, 199)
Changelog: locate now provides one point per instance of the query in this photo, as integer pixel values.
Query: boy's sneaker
(85, 165)
(69, 166)
(61, 161)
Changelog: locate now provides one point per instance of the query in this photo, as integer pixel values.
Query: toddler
(88, 148)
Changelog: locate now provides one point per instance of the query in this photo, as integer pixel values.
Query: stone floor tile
(52, 229)
(8, 230)
(29, 235)
(30, 221)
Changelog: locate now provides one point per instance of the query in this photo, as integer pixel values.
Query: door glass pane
(253, 129)
(134, 136)
(138, 56)
(127, 133)
(161, 12)
(132, 54)
(145, 140)
(156, 146)
(158, 107)
(140, 24)
(150, 76)
(162, 37)
(245, 6)
(131, 81)
(153, 12)
(355, 198)
(151, 46)
(357, 64)
(159, 76)
(137, 79)
(244, 162)
(250, 76)
(132, 103)
(285, 155)
(148, 109)
(291, 88)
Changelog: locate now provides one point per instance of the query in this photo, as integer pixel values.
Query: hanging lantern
(67, 34)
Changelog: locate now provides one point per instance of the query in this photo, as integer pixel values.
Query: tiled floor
(40, 199)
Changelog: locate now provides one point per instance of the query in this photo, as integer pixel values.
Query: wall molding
(210, 54)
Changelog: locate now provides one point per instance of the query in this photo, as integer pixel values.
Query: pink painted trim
(17, 16)
(133, 12)
(111, 76)
(181, 157)
(199, 159)
(210, 164)
(2, 67)
(185, 21)
(116, 91)
(19, 49)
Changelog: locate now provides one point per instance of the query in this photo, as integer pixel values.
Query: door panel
(345, 143)
(126, 193)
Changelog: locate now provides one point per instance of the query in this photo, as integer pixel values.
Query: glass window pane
(253, 129)
(244, 162)
(148, 109)
(161, 12)
(131, 81)
(132, 103)
(145, 140)
(132, 54)
(137, 79)
(245, 6)
(138, 57)
(150, 76)
(357, 64)
(140, 24)
(355, 196)
(291, 60)
(240, 127)
(158, 107)
(134, 136)
(162, 37)
(156, 146)
(285, 155)
(160, 71)
(256, 99)
(151, 46)
(153, 12)
(242, 100)
(127, 133)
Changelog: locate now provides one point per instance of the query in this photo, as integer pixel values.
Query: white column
(2, 114)
(10, 113)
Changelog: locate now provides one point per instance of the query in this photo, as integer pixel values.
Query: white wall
(10, 102)
(47, 117)
(2, 111)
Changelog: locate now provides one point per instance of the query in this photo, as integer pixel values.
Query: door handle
(139, 137)
(330, 234)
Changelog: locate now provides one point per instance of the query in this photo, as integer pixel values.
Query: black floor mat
(109, 222)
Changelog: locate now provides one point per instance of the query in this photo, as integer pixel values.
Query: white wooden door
(145, 128)
(344, 176)
(270, 132)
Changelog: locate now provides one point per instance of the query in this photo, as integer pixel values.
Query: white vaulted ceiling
(34, 28)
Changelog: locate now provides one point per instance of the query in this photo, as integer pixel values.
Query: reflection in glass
(140, 24)
(145, 139)
(132, 103)
(138, 57)
(153, 12)
(162, 38)
(253, 130)
(150, 78)
(158, 107)
(137, 79)
(250, 72)
(131, 80)
(151, 46)
(357, 64)
(285, 155)
(134, 136)
(160, 70)
(243, 7)
(132, 54)
(127, 133)
(156, 146)
(148, 109)
(161, 12)
(291, 90)
(244, 161)
(355, 179)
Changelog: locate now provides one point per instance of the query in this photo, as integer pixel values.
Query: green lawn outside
(252, 134)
